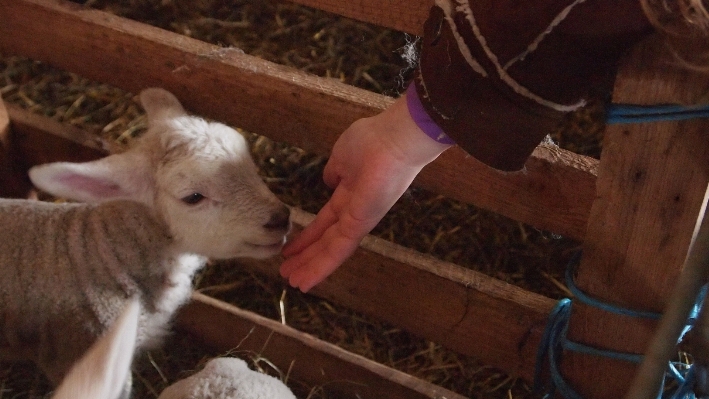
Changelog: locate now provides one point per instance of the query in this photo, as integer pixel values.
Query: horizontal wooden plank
(402, 15)
(306, 358)
(553, 193)
(461, 309)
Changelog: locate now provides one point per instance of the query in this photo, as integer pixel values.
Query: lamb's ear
(103, 371)
(120, 176)
(160, 104)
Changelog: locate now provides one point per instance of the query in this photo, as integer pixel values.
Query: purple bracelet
(421, 117)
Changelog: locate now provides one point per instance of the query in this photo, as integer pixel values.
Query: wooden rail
(554, 193)
(461, 309)
(307, 359)
(402, 15)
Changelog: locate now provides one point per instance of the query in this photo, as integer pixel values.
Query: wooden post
(651, 183)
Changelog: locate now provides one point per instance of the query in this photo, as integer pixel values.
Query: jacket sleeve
(498, 76)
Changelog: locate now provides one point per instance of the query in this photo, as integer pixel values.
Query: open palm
(372, 163)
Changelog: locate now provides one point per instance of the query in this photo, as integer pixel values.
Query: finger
(312, 232)
(300, 260)
(330, 175)
(290, 265)
(320, 259)
(323, 264)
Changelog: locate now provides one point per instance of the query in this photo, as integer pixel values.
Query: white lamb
(227, 378)
(187, 191)
(102, 372)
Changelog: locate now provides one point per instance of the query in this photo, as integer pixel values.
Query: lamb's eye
(193, 199)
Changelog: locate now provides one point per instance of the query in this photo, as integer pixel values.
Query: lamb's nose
(279, 220)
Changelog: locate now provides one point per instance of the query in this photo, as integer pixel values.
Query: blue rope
(550, 350)
(554, 342)
(588, 300)
(630, 113)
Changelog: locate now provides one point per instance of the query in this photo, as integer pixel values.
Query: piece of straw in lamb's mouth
(274, 245)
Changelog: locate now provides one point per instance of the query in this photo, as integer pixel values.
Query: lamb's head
(197, 175)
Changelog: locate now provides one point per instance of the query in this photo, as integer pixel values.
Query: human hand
(372, 163)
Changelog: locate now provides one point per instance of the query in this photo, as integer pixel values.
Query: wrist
(406, 136)
(420, 116)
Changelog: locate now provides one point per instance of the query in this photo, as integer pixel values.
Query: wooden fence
(634, 211)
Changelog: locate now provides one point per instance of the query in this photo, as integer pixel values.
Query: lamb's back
(66, 271)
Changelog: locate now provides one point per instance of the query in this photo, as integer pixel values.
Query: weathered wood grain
(554, 192)
(651, 185)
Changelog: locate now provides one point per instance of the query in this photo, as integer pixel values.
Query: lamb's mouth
(276, 246)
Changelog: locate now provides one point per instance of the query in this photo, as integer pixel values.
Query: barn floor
(358, 54)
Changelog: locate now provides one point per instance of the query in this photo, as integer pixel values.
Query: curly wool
(228, 378)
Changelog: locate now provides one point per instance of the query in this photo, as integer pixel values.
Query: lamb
(149, 219)
(227, 378)
(101, 373)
